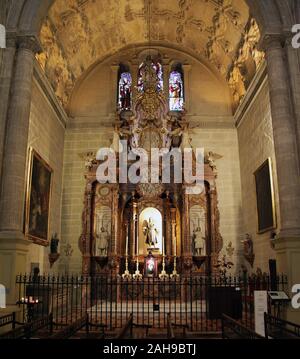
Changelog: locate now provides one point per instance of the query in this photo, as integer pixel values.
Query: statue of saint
(102, 240)
(199, 242)
(150, 232)
(54, 244)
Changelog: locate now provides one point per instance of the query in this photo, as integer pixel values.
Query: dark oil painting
(38, 200)
(265, 197)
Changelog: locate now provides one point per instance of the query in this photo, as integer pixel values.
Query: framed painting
(266, 216)
(38, 199)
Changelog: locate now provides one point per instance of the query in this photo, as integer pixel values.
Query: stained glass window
(125, 85)
(176, 96)
(142, 75)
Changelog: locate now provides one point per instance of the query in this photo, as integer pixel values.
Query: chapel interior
(80, 75)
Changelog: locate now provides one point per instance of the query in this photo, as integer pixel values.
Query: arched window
(125, 89)
(176, 89)
(156, 67)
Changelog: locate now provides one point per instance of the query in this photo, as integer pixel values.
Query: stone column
(294, 75)
(13, 247)
(284, 137)
(6, 69)
(287, 244)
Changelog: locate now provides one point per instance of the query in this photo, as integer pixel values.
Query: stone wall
(77, 142)
(46, 136)
(224, 142)
(256, 144)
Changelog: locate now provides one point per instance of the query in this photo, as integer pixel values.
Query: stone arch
(28, 15)
(267, 14)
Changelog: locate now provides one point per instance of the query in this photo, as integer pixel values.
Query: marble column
(13, 247)
(287, 243)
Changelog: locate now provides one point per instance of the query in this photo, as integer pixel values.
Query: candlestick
(175, 246)
(126, 249)
(137, 247)
(126, 274)
(137, 275)
(174, 274)
(163, 275)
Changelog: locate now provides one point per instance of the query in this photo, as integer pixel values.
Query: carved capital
(272, 41)
(11, 39)
(29, 42)
(288, 37)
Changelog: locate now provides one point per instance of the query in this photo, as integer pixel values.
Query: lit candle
(163, 246)
(126, 244)
(22, 300)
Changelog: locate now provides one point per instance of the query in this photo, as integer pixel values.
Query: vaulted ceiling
(77, 33)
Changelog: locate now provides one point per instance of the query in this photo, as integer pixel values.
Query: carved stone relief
(77, 33)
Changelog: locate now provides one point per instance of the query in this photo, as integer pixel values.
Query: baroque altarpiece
(124, 224)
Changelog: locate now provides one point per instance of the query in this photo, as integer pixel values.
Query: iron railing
(231, 329)
(277, 328)
(194, 302)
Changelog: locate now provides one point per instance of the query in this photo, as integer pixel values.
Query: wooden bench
(28, 330)
(231, 329)
(8, 319)
(276, 328)
(71, 329)
(127, 327)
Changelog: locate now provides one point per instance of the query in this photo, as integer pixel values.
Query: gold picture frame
(38, 199)
(265, 198)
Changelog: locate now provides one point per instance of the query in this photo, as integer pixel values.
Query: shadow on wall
(2, 297)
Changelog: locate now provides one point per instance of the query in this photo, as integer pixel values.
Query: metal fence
(196, 303)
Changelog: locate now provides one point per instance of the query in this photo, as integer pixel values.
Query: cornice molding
(43, 82)
(196, 122)
(252, 92)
